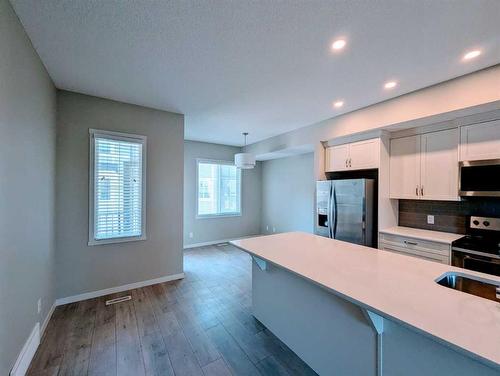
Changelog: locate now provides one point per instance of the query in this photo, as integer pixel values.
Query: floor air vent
(118, 300)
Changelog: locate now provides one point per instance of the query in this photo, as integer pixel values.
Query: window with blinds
(219, 189)
(117, 210)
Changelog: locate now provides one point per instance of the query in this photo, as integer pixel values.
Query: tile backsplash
(449, 216)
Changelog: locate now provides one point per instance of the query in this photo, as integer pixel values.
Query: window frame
(222, 215)
(118, 136)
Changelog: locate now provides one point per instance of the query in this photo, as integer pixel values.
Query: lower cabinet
(424, 249)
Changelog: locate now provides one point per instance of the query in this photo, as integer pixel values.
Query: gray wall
(27, 175)
(288, 194)
(213, 229)
(81, 268)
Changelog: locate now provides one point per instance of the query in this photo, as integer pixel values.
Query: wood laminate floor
(201, 325)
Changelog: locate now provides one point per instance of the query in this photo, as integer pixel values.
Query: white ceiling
(259, 66)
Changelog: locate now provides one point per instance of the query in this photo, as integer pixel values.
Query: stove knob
(486, 223)
(475, 221)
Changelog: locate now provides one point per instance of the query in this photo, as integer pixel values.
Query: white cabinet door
(364, 154)
(337, 158)
(405, 167)
(439, 165)
(480, 141)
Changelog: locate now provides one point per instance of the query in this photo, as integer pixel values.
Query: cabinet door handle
(416, 190)
(346, 164)
(422, 190)
(350, 162)
(410, 243)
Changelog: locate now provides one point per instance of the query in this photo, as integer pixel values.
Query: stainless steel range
(479, 250)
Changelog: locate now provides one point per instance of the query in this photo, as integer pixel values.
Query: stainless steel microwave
(480, 178)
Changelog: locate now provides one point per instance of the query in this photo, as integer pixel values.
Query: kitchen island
(346, 309)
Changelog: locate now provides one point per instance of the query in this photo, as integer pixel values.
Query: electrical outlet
(190, 235)
(274, 229)
(267, 228)
(39, 306)
(430, 219)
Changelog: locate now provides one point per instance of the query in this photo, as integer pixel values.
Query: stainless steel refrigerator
(344, 210)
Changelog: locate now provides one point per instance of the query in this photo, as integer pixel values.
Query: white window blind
(118, 179)
(219, 189)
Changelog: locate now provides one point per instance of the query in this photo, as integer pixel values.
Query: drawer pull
(410, 243)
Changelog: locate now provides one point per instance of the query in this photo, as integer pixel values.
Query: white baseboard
(27, 353)
(47, 319)
(113, 290)
(204, 244)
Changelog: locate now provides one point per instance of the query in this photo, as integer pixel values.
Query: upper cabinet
(425, 166)
(480, 141)
(405, 167)
(359, 155)
(439, 165)
(337, 158)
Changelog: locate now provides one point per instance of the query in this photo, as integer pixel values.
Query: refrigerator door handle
(363, 219)
(330, 212)
(334, 212)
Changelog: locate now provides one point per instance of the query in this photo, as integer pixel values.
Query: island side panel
(333, 336)
(330, 334)
(408, 353)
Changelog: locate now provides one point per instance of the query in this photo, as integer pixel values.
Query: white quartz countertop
(415, 233)
(398, 287)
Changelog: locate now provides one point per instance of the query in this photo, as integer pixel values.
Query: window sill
(211, 216)
(94, 242)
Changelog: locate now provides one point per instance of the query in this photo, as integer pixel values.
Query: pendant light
(244, 161)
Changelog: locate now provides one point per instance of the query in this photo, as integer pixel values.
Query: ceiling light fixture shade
(245, 161)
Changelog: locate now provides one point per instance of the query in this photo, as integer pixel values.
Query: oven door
(480, 178)
(483, 264)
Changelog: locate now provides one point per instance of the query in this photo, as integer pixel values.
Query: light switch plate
(430, 219)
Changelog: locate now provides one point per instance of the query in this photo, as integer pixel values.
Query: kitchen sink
(484, 288)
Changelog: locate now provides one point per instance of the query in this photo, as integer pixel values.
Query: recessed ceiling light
(471, 54)
(338, 104)
(338, 44)
(390, 84)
